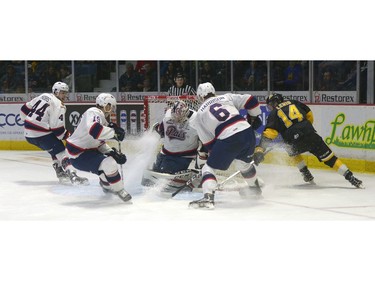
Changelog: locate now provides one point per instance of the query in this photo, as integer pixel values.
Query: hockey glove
(254, 121)
(258, 155)
(120, 158)
(158, 128)
(201, 157)
(119, 132)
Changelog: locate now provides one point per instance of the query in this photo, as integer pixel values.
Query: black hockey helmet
(274, 99)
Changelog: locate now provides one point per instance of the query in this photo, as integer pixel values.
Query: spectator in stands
(147, 85)
(141, 67)
(350, 82)
(51, 76)
(169, 75)
(130, 81)
(207, 74)
(180, 88)
(239, 67)
(149, 73)
(292, 80)
(328, 83)
(184, 69)
(254, 76)
(221, 78)
(10, 81)
(66, 76)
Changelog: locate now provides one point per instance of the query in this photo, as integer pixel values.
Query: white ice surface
(297, 232)
(29, 191)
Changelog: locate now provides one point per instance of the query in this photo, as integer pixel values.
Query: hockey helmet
(60, 90)
(180, 111)
(273, 100)
(107, 102)
(204, 89)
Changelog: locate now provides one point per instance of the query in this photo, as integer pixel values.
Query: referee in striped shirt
(180, 88)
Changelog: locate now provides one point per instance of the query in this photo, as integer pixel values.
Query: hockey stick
(219, 186)
(121, 169)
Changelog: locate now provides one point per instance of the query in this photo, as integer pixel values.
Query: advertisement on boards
(74, 113)
(11, 125)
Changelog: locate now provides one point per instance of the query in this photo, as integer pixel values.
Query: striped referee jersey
(186, 90)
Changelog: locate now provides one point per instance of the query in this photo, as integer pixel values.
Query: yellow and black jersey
(292, 119)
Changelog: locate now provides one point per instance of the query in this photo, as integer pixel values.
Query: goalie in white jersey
(181, 145)
(44, 118)
(228, 136)
(88, 150)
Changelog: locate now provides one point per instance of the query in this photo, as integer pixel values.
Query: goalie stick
(219, 186)
(187, 184)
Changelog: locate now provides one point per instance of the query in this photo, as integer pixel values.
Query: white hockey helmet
(60, 86)
(107, 102)
(180, 111)
(60, 90)
(204, 89)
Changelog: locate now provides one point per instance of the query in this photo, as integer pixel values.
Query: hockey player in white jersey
(181, 145)
(88, 150)
(228, 137)
(44, 118)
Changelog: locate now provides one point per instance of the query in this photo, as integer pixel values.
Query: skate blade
(85, 182)
(126, 199)
(65, 181)
(361, 186)
(202, 207)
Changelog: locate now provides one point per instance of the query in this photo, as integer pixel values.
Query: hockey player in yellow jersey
(293, 120)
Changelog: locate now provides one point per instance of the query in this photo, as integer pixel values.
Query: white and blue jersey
(44, 115)
(180, 139)
(91, 134)
(219, 118)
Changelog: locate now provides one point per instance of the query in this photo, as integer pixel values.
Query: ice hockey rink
(330, 225)
(30, 191)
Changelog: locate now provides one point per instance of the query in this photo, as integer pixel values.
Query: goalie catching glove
(258, 155)
(119, 132)
(120, 158)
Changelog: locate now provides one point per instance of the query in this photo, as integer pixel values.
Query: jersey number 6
(220, 114)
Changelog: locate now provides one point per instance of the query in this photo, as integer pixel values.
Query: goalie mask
(180, 111)
(107, 103)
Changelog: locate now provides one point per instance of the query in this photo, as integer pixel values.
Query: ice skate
(124, 196)
(76, 180)
(207, 202)
(61, 174)
(353, 180)
(252, 191)
(307, 176)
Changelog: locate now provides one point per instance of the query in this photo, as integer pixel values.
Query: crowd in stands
(142, 76)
